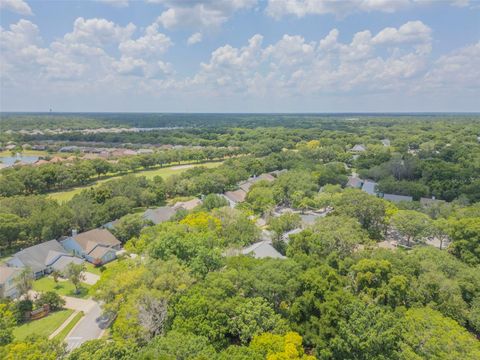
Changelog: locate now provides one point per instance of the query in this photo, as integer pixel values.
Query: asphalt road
(88, 328)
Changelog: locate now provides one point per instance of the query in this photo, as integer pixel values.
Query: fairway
(63, 196)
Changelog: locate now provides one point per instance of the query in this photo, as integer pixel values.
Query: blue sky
(240, 55)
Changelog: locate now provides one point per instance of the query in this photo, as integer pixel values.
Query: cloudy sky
(240, 55)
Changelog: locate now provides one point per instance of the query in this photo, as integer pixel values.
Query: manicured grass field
(44, 326)
(63, 334)
(63, 196)
(62, 287)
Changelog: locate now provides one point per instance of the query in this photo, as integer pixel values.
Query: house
(430, 201)
(354, 182)
(277, 173)
(144, 151)
(235, 197)
(397, 198)
(369, 187)
(159, 215)
(97, 246)
(386, 142)
(261, 250)
(286, 235)
(310, 217)
(72, 148)
(40, 162)
(111, 224)
(246, 185)
(358, 148)
(7, 282)
(188, 205)
(43, 258)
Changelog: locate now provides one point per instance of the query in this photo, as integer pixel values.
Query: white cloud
(116, 3)
(459, 69)
(100, 59)
(293, 65)
(17, 6)
(300, 8)
(152, 43)
(194, 38)
(98, 32)
(201, 13)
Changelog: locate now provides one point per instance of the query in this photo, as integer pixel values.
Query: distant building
(262, 250)
(358, 148)
(430, 201)
(354, 182)
(235, 197)
(397, 198)
(369, 187)
(188, 205)
(286, 236)
(69, 149)
(386, 142)
(159, 215)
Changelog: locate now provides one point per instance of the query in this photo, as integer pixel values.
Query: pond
(7, 161)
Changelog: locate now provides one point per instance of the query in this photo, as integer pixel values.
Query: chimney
(74, 232)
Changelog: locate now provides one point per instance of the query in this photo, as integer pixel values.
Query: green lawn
(44, 326)
(63, 196)
(66, 330)
(62, 287)
(98, 270)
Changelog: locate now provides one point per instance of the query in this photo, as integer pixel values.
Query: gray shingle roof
(159, 215)
(35, 257)
(369, 187)
(236, 196)
(63, 261)
(397, 198)
(263, 249)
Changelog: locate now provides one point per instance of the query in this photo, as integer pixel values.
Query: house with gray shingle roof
(358, 148)
(159, 215)
(43, 258)
(397, 198)
(369, 187)
(235, 197)
(7, 282)
(261, 250)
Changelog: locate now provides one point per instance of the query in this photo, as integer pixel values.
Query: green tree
(7, 322)
(429, 335)
(11, 226)
(330, 236)
(75, 273)
(283, 223)
(411, 224)
(24, 282)
(52, 299)
(371, 212)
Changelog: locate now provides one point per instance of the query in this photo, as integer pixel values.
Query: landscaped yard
(63, 196)
(97, 270)
(62, 287)
(44, 326)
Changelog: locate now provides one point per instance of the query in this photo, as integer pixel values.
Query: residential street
(88, 327)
